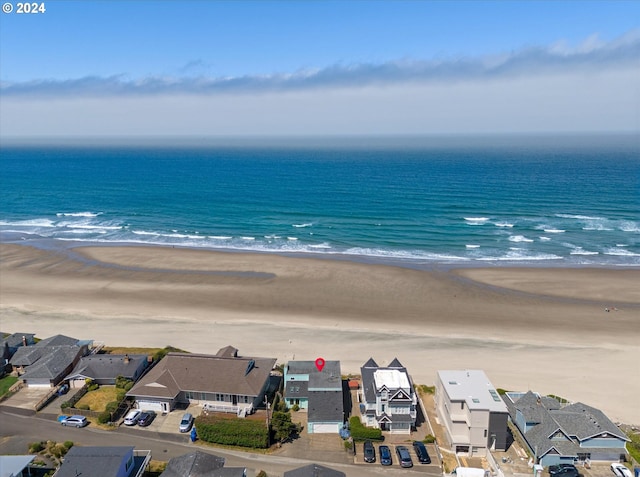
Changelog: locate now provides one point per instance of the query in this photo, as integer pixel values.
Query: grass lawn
(97, 400)
(6, 383)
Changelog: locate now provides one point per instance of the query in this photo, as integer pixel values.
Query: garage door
(325, 428)
(156, 406)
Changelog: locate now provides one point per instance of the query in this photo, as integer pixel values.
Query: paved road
(16, 432)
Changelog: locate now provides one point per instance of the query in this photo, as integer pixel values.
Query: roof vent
(250, 366)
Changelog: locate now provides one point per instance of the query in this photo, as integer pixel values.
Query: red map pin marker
(320, 364)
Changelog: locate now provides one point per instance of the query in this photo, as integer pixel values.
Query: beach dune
(537, 328)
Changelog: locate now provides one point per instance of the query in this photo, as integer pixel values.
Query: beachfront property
(103, 369)
(224, 382)
(10, 343)
(49, 361)
(113, 461)
(473, 414)
(201, 464)
(317, 392)
(557, 433)
(387, 398)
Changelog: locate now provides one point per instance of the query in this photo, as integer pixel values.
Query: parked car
(404, 457)
(74, 421)
(385, 455)
(421, 452)
(64, 389)
(369, 452)
(563, 470)
(620, 470)
(186, 422)
(145, 418)
(131, 419)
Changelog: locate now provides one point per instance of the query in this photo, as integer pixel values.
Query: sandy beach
(541, 329)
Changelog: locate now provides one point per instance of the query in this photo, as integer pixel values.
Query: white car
(620, 470)
(131, 419)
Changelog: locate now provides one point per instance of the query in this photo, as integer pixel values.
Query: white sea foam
(30, 223)
(554, 231)
(629, 226)
(300, 226)
(578, 217)
(581, 251)
(476, 220)
(472, 246)
(248, 238)
(521, 255)
(220, 237)
(621, 252)
(94, 227)
(292, 238)
(504, 224)
(519, 238)
(78, 214)
(323, 245)
(544, 239)
(271, 237)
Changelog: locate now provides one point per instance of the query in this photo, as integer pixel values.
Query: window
(383, 406)
(485, 433)
(219, 397)
(129, 463)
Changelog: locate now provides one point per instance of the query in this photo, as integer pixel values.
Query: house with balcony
(559, 434)
(317, 392)
(387, 398)
(471, 411)
(224, 382)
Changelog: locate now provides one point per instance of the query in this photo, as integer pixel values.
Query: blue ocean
(485, 201)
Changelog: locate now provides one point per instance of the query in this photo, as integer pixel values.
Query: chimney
(126, 359)
(24, 340)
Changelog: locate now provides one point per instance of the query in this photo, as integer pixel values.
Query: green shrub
(359, 432)
(35, 447)
(93, 386)
(262, 473)
(111, 406)
(65, 405)
(233, 432)
(295, 408)
(104, 417)
(68, 444)
(429, 439)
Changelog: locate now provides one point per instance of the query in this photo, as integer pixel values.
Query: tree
(282, 426)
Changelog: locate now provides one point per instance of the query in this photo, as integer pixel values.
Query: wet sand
(535, 328)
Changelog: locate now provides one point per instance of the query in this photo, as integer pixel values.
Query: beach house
(201, 464)
(106, 461)
(319, 392)
(472, 412)
(387, 398)
(105, 368)
(559, 433)
(224, 382)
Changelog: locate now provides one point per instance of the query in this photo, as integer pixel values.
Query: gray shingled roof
(84, 461)
(576, 421)
(329, 378)
(15, 339)
(296, 389)
(204, 373)
(55, 360)
(27, 355)
(367, 371)
(107, 366)
(57, 340)
(325, 406)
(314, 470)
(194, 464)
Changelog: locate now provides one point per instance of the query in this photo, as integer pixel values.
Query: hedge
(360, 432)
(233, 432)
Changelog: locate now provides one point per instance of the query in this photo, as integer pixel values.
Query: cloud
(591, 55)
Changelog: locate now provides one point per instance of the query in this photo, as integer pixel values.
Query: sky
(85, 68)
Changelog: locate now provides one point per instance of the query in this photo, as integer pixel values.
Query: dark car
(146, 418)
(421, 452)
(385, 455)
(404, 457)
(369, 452)
(563, 470)
(64, 389)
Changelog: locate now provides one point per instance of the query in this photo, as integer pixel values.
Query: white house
(388, 400)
